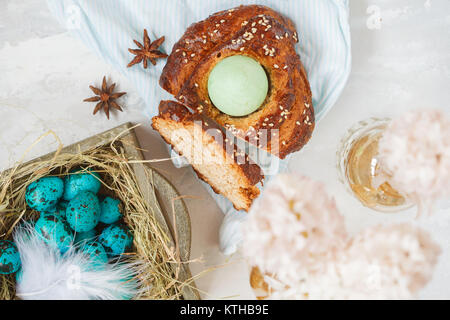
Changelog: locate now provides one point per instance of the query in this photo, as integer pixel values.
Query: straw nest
(159, 261)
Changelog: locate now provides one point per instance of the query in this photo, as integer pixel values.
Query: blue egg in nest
(96, 252)
(116, 239)
(55, 231)
(80, 181)
(9, 257)
(83, 211)
(83, 237)
(60, 209)
(110, 210)
(44, 194)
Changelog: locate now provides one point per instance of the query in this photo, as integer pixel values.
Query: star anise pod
(148, 51)
(106, 98)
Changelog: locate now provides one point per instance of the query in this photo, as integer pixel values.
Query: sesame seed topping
(307, 105)
(253, 24)
(275, 66)
(193, 55)
(284, 143)
(281, 108)
(184, 54)
(254, 30)
(285, 67)
(266, 119)
(270, 124)
(242, 49)
(185, 60)
(196, 84)
(222, 21)
(177, 50)
(297, 123)
(244, 23)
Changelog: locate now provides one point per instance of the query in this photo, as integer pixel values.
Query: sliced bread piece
(205, 145)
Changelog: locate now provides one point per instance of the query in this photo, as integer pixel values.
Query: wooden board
(157, 190)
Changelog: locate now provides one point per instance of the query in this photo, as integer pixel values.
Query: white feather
(48, 275)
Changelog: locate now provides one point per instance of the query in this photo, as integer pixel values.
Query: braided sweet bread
(284, 122)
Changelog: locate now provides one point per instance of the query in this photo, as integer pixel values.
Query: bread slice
(215, 159)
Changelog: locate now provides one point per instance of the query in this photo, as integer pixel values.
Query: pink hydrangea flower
(415, 151)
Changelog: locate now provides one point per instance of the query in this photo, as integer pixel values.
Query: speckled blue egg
(75, 183)
(110, 210)
(82, 237)
(43, 194)
(60, 209)
(55, 231)
(96, 252)
(116, 239)
(83, 212)
(9, 257)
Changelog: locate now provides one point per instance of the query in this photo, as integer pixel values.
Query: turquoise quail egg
(110, 210)
(9, 257)
(43, 194)
(116, 239)
(96, 252)
(55, 231)
(83, 212)
(79, 181)
(83, 237)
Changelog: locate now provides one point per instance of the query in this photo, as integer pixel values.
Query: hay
(160, 262)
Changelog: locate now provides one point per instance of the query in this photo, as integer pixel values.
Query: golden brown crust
(268, 37)
(174, 111)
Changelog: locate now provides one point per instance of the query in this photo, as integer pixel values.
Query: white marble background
(401, 61)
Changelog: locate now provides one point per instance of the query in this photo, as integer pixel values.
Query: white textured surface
(44, 76)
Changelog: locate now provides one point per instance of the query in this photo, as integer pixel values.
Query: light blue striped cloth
(108, 27)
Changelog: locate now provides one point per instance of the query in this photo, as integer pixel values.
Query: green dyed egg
(43, 194)
(96, 252)
(9, 257)
(116, 239)
(110, 210)
(238, 85)
(83, 211)
(76, 182)
(55, 231)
